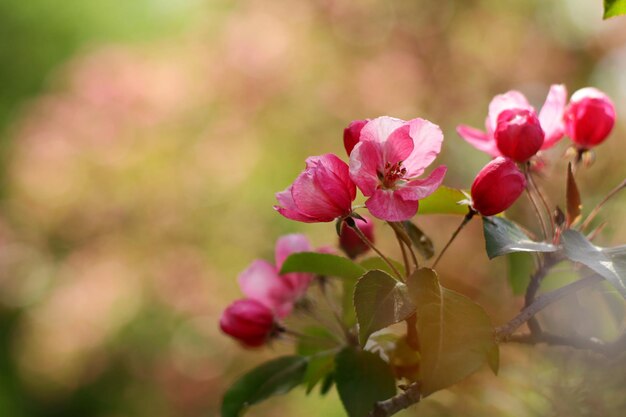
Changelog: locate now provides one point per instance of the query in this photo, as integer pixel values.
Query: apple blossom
(321, 193)
(248, 321)
(518, 134)
(550, 120)
(497, 186)
(589, 117)
(352, 133)
(386, 162)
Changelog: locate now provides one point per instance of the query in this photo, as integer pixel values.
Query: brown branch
(398, 402)
(504, 332)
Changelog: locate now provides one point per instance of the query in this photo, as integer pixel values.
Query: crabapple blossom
(262, 282)
(321, 193)
(589, 117)
(518, 134)
(388, 159)
(352, 133)
(350, 242)
(550, 120)
(248, 321)
(497, 186)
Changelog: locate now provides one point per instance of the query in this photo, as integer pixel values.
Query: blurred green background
(141, 144)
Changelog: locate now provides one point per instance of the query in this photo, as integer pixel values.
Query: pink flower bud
(589, 117)
(321, 193)
(248, 321)
(497, 186)
(352, 134)
(518, 134)
(350, 242)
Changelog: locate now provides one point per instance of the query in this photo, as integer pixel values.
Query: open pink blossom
(388, 160)
(550, 119)
(321, 193)
(262, 282)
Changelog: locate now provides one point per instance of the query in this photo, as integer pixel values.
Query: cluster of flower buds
(516, 133)
(269, 295)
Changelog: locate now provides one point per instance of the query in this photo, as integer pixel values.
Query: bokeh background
(141, 143)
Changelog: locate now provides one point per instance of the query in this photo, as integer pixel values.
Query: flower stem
(466, 220)
(597, 208)
(365, 240)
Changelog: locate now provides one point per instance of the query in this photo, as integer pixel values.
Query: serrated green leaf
(272, 378)
(520, 266)
(362, 379)
(318, 368)
(322, 264)
(614, 8)
(380, 301)
(456, 335)
(420, 241)
(444, 201)
(317, 339)
(502, 236)
(610, 263)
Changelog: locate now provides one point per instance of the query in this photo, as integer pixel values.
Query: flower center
(392, 174)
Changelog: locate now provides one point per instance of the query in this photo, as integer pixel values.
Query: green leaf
(614, 8)
(502, 236)
(520, 265)
(319, 367)
(380, 301)
(275, 377)
(456, 335)
(420, 241)
(322, 264)
(610, 263)
(444, 201)
(319, 339)
(362, 379)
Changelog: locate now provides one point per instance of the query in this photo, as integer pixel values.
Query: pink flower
(589, 117)
(248, 321)
(386, 162)
(352, 133)
(518, 134)
(261, 281)
(321, 193)
(497, 186)
(350, 242)
(550, 120)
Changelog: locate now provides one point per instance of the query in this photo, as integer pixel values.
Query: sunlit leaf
(610, 263)
(362, 379)
(420, 241)
(272, 378)
(380, 301)
(574, 205)
(444, 201)
(502, 236)
(322, 264)
(456, 335)
(614, 8)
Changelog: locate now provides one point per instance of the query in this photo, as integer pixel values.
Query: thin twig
(537, 213)
(466, 220)
(365, 240)
(542, 198)
(397, 403)
(597, 208)
(541, 302)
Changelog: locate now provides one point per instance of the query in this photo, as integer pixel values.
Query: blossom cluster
(387, 161)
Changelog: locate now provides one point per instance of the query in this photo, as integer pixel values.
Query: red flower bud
(589, 118)
(248, 321)
(352, 134)
(351, 243)
(497, 186)
(518, 134)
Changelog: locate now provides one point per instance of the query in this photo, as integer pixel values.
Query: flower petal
(379, 129)
(311, 200)
(479, 139)
(366, 160)
(427, 138)
(551, 115)
(398, 145)
(509, 100)
(261, 282)
(332, 177)
(389, 205)
(288, 244)
(422, 188)
(287, 207)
